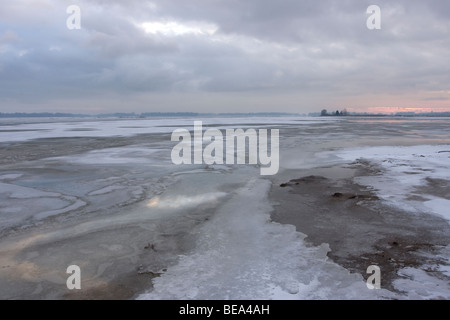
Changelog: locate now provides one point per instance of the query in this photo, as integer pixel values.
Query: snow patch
(404, 171)
(439, 206)
(420, 285)
(11, 176)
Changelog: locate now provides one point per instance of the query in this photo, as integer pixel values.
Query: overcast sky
(224, 56)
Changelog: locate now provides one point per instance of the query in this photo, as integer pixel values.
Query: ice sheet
(19, 204)
(241, 254)
(11, 176)
(120, 127)
(19, 192)
(121, 155)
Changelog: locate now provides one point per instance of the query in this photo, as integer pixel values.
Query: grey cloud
(313, 48)
(128, 44)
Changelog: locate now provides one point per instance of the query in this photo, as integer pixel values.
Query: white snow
(420, 285)
(404, 173)
(11, 176)
(445, 270)
(439, 206)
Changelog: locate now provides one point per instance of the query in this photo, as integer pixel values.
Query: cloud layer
(223, 55)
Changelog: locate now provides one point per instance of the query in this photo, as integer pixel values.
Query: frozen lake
(105, 195)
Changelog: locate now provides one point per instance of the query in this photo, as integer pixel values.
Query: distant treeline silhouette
(325, 113)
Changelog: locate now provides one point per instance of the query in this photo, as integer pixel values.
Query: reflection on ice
(184, 201)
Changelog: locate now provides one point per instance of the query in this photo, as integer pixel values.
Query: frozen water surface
(108, 199)
(241, 254)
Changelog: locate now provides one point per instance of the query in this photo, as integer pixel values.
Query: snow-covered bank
(406, 173)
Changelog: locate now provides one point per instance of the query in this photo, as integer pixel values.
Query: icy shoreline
(242, 254)
(118, 207)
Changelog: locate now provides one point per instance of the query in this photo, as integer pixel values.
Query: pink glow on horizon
(390, 110)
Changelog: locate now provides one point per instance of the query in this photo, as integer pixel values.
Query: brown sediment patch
(416, 198)
(360, 229)
(354, 196)
(308, 179)
(438, 187)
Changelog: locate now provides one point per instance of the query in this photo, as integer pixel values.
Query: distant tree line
(344, 112)
(337, 113)
(40, 115)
